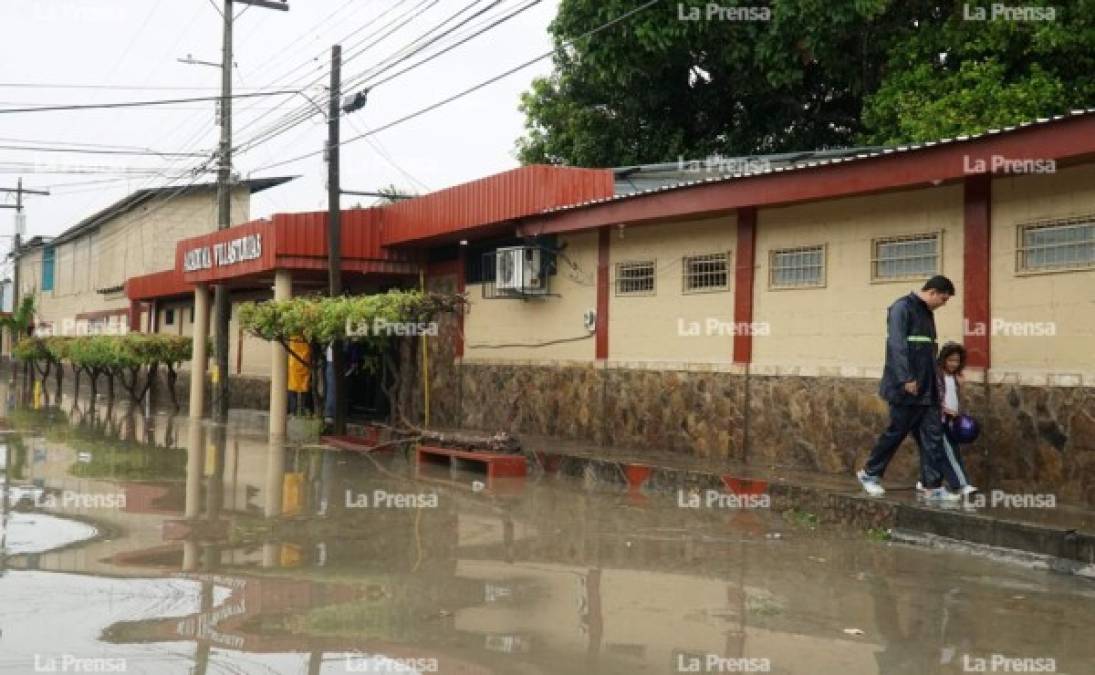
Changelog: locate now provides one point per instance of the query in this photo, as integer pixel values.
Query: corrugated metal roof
(459, 210)
(132, 201)
(813, 164)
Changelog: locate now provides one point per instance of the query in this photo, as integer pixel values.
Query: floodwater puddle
(146, 544)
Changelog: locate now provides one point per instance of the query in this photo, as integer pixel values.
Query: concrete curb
(1069, 549)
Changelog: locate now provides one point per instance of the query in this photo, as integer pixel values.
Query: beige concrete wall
(139, 242)
(840, 328)
(660, 327)
(1064, 299)
(540, 320)
(256, 355)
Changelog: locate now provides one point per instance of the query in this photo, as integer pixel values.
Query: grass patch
(879, 534)
(803, 519)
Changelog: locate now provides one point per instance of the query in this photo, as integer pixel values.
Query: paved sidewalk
(1063, 533)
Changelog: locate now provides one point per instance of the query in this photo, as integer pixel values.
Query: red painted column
(134, 316)
(744, 274)
(603, 239)
(461, 282)
(976, 256)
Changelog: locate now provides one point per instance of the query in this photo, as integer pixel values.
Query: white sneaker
(939, 494)
(870, 484)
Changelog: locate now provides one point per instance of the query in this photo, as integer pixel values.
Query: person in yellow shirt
(300, 376)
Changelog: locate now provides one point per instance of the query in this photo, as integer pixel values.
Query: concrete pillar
(279, 364)
(201, 341)
(195, 467)
(275, 478)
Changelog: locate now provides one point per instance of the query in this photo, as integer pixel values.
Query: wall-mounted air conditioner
(519, 270)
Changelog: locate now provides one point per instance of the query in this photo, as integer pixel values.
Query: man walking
(910, 386)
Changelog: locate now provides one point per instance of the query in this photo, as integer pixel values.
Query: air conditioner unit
(517, 270)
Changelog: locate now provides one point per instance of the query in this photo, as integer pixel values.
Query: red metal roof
(157, 285)
(470, 209)
(294, 241)
(371, 237)
(1064, 139)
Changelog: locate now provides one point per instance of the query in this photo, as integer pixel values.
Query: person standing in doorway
(910, 387)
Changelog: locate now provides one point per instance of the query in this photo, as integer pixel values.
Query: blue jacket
(910, 353)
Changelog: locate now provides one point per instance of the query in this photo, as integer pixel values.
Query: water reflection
(289, 559)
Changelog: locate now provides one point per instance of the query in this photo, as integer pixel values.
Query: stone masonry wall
(1034, 439)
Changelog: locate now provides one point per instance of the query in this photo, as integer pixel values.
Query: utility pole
(334, 233)
(222, 309)
(17, 240)
(334, 221)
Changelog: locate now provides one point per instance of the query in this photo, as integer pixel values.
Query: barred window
(1060, 245)
(635, 278)
(801, 267)
(710, 272)
(908, 257)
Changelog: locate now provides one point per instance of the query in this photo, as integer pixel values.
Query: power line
(139, 104)
(295, 118)
(88, 151)
(469, 90)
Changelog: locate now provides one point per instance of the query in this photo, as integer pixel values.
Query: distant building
(78, 277)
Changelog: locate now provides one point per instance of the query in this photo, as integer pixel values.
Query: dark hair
(940, 284)
(949, 349)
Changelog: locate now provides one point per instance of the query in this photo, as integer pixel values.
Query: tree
(961, 76)
(392, 194)
(659, 86)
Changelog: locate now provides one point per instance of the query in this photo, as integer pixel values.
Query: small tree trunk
(149, 378)
(172, 376)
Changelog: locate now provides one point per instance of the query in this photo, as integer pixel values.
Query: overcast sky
(135, 43)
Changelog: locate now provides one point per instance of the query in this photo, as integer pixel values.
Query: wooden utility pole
(222, 309)
(16, 241)
(334, 234)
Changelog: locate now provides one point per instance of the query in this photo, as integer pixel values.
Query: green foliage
(319, 320)
(20, 319)
(818, 74)
(962, 77)
(31, 349)
(106, 352)
(879, 534)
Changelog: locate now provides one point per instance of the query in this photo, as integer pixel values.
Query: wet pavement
(140, 543)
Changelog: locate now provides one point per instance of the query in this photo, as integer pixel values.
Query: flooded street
(142, 544)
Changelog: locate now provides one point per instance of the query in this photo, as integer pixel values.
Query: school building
(738, 318)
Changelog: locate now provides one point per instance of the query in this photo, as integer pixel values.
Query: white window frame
(1021, 250)
(773, 253)
(618, 279)
(937, 235)
(688, 276)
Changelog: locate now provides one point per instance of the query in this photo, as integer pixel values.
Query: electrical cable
(471, 89)
(141, 104)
